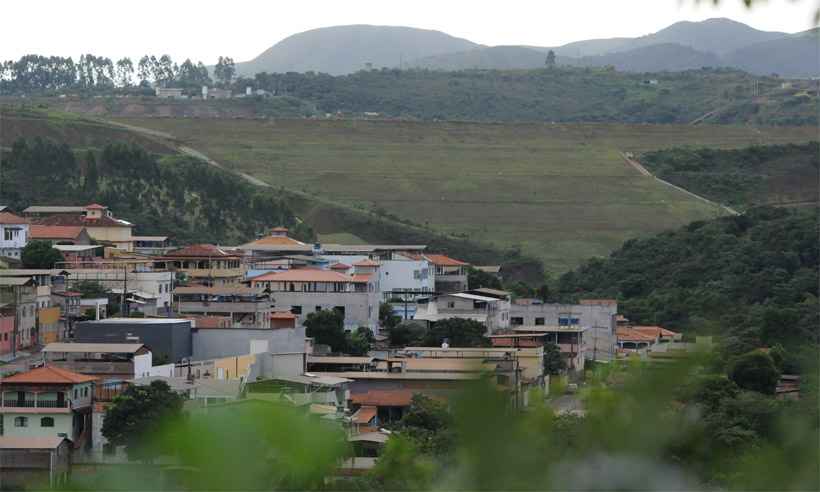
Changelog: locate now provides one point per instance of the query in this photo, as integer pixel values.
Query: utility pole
(16, 329)
(124, 306)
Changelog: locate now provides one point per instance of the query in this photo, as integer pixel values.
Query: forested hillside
(751, 278)
(759, 175)
(173, 195)
(561, 94)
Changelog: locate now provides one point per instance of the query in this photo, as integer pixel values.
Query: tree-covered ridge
(561, 94)
(751, 278)
(758, 175)
(177, 196)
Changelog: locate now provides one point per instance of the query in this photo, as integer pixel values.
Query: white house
(14, 233)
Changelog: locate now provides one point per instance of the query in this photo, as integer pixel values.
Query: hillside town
(222, 324)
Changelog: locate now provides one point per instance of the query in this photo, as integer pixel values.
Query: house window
(318, 308)
(539, 321)
(517, 321)
(296, 309)
(85, 392)
(21, 421)
(11, 234)
(76, 394)
(47, 422)
(340, 310)
(451, 304)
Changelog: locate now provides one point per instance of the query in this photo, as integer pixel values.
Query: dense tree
(457, 332)
(359, 342)
(477, 279)
(755, 371)
(225, 70)
(326, 327)
(90, 289)
(40, 254)
(550, 59)
(137, 417)
(91, 175)
(125, 72)
(429, 424)
(554, 363)
(387, 320)
(406, 333)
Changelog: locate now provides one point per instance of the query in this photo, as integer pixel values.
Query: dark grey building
(166, 337)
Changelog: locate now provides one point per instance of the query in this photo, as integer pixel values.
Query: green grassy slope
(560, 192)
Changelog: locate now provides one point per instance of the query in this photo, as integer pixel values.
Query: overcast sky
(205, 29)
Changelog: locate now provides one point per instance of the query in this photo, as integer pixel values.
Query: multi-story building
(47, 402)
(399, 278)
(492, 311)
(21, 292)
(6, 331)
(14, 234)
(47, 315)
(204, 264)
(247, 307)
(451, 274)
(141, 281)
(152, 245)
(595, 316)
(307, 290)
(97, 220)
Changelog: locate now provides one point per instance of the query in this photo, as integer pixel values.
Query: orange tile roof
(656, 331)
(303, 275)
(367, 263)
(48, 374)
(282, 315)
(384, 398)
(444, 260)
(38, 231)
(279, 229)
(96, 206)
(361, 278)
(340, 266)
(365, 414)
(630, 335)
(201, 251)
(10, 218)
(82, 220)
(276, 241)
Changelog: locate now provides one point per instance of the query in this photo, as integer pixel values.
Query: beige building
(98, 221)
(204, 263)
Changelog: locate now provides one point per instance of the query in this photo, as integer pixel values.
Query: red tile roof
(365, 414)
(48, 374)
(367, 263)
(361, 278)
(384, 398)
(82, 220)
(279, 229)
(38, 231)
(201, 251)
(656, 331)
(282, 315)
(340, 266)
(630, 335)
(444, 260)
(10, 218)
(95, 206)
(303, 275)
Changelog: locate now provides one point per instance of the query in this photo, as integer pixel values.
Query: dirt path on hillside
(645, 172)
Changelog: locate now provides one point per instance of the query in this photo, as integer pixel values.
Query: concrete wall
(215, 343)
(166, 370)
(159, 284)
(142, 365)
(361, 308)
(62, 424)
(169, 338)
(268, 366)
(599, 321)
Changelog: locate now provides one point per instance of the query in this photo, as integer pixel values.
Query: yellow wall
(234, 367)
(48, 316)
(118, 235)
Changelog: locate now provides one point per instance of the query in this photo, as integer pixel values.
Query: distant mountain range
(686, 45)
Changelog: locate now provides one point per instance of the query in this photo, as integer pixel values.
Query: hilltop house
(14, 234)
(47, 402)
(98, 221)
(204, 263)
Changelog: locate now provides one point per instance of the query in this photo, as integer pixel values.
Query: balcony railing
(36, 404)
